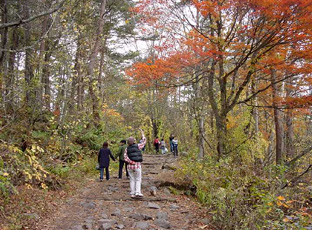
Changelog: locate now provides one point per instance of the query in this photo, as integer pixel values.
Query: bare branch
(306, 151)
(23, 21)
(294, 180)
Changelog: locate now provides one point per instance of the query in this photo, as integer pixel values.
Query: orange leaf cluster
(284, 24)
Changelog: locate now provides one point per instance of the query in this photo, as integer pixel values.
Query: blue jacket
(103, 158)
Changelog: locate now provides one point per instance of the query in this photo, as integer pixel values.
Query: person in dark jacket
(170, 141)
(103, 160)
(122, 162)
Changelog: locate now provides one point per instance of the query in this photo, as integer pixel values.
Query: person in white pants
(133, 151)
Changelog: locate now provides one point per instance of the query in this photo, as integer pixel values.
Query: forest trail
(107, 205)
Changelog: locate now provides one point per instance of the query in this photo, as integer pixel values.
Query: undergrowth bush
(237, 197)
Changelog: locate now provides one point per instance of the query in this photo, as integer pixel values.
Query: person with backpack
(122, 162)
(103, 160)
(156, 144)
(133, 156)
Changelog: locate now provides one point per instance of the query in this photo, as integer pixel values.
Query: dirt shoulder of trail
(107, 204)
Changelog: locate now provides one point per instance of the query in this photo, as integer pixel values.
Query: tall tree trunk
(199, 115)
(4, 32)
(3, 44)
(46, 77)
(100, 80)
(10, 75)
(44, 54)
(290, 150)
(277, 121)
(255, 111)
(29, 74)
(95, 50)
(221, 134)
(80, 78)
(76, 77)
(80, 90)
(220, 118)
(201, 138)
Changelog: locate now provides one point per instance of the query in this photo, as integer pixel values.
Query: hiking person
(156, 144)
(170, 142)
(103, 160)
(133, 156)
(175, 146)
(122, 162)
(163, 146)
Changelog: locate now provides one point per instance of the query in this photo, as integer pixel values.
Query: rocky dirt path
(107, 205)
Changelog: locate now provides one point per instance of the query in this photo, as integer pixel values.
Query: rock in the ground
(162, 215)
(137, 216)
(106, 226)
(153, 190)
(120, 226)
(141, 225)
(111, 188)
(87, 204)
(174, 207)
(169, 167)
(107, 221)
(127, 209)
(104, 216)
(77, 227)
(116, 213)
(167, 191)
(87, 226)
(89, 220)
(153, 205)
(183, 154)
(162, 223)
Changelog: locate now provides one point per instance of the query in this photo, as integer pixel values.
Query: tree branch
(297, 177)
(23, 21)
(306, 151)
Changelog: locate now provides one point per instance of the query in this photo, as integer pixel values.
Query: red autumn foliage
(250, 37)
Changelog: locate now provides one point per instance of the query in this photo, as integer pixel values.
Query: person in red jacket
(156, 144)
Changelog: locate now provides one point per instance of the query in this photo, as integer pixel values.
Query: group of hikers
(173, 142)
(130, 157)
